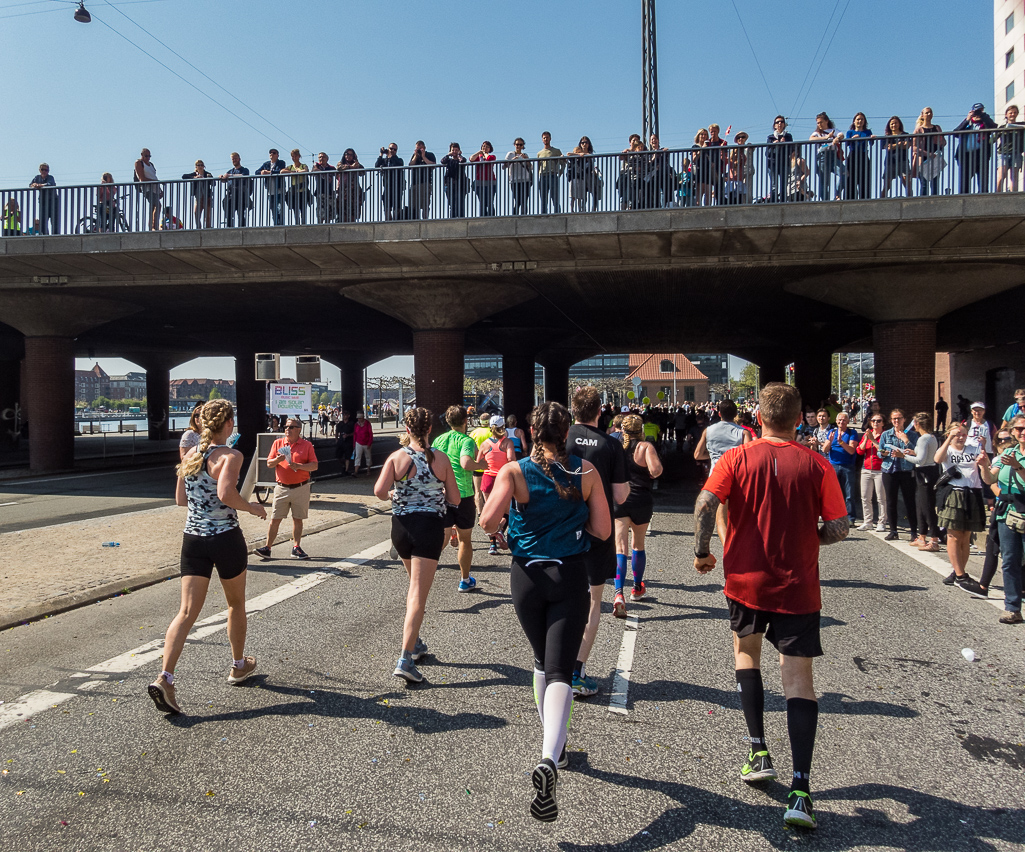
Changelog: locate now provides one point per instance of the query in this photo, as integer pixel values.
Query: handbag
(1015, 517)
(931, 167)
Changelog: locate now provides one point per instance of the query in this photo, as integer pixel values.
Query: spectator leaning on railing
(145, 177)
(973, 149)
(49, 200)
(238, 196)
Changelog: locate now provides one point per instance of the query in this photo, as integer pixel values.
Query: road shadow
(389, 707)
(482, 601)
(868, 584)
(937, 824)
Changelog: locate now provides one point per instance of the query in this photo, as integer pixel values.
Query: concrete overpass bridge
(774, 283)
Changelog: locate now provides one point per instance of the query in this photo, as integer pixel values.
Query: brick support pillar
(158, 393)
(557, 383)
(812, 374)
(438, 370)
(50, 402)
(905, 365)
(10, 397)
(518, 386)
(250, 406)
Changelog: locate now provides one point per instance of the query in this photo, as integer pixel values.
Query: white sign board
(636, 381)
(291, 400)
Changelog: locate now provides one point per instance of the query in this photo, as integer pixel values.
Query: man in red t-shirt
(776, 490)
(292, 459)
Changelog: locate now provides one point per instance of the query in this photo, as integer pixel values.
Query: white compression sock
(540, 682)
(558, 706)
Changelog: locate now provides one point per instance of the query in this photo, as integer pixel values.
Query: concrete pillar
(250, 405)
(158, 392)
(10, 396)
(772, 370)
(50, 402)
(905, 365)
(812, 375)
(557, 383)
(438, 370)
(518, 385)
(352, 387)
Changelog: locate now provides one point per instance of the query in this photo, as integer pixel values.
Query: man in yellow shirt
(548, 174)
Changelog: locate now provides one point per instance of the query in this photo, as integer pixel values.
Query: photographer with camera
(392, 182)
(421, 181)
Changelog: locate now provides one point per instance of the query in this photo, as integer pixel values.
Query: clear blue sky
(363, 73)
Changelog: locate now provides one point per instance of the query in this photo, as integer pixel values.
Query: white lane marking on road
(624, 667)
(15, 503)
(32, 703)
(934, 563)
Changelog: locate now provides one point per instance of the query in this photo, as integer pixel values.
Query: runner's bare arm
(833, 531)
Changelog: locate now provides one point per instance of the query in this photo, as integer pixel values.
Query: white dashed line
(27, 706)
(624, 668)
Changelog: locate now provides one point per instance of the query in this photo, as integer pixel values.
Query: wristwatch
(698, 555)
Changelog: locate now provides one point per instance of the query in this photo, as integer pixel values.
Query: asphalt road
(917, 748)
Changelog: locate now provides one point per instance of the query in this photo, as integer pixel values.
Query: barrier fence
(919, 164)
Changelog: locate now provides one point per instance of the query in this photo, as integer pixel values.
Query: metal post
(649, 80)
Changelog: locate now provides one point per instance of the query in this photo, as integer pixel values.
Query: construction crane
(649, 122)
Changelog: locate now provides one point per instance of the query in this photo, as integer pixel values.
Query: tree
(214, 394)
(336, 398)
(748, 384)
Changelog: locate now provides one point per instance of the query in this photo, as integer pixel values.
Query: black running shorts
(465, 513)
(225, 551)
(601, 560)
(791, 635)
(638, 511)
(419, 534)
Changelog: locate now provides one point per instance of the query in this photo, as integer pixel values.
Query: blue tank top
(548, 527)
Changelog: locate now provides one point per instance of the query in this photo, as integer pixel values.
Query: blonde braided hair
(212, 418)
(633, 431)
(419, 421)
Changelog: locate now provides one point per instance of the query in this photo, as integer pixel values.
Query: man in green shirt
(548, 173)
(462, 452)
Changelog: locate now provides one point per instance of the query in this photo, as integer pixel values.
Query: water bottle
(112, 544)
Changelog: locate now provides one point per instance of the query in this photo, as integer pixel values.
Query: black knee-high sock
(752, 702)
(802, 720)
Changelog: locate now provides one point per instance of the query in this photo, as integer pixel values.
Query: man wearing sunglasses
(292, 459)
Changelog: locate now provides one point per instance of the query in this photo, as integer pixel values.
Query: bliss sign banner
(291, 399)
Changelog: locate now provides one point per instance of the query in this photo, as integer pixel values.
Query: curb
(76, 600)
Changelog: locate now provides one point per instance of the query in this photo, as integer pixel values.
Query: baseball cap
(977, 107)
(625, 409)
(497, 420)
(981, 405)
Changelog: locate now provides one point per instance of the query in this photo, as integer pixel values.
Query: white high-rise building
(1008, 56)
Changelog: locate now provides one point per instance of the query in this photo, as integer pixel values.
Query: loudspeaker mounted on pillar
(307, 368)
(268, 366)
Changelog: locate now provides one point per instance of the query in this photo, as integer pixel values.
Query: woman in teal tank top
(556, 498)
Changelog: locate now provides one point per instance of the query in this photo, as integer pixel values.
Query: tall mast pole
(649, 92)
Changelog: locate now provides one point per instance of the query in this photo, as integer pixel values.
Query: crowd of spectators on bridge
(833, 164)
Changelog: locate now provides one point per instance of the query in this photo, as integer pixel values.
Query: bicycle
(94, 224)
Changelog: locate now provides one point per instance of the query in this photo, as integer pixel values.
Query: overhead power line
(836, 29)
(814, 56)
(755, 55)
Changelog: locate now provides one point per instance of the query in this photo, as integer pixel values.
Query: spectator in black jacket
(392, 183)
(777, 160)
(973, 149)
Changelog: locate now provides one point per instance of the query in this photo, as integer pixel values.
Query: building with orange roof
(673, 374)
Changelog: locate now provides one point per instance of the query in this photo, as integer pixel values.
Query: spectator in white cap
(980, 430)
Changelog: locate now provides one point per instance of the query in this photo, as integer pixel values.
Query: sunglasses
(1018, 428)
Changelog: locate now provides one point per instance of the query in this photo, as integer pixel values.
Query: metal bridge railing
(968, 162)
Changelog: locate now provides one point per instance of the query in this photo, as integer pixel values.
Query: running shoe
(757, 767)
(619, 605)
(544, 777)
(263, 552)
(950, 579)
(880, 527)
(162, 694)
(799, 813)
(929, 547)
(239, 675)
(1011, 618)
(501, 542)
(970, 585)
(918, 541)
(865, 526)
(407, 669)
(419, 649)
(637, 592)
(299, 553)
(563, 761)
(467, 585)
(493, 550)
(891, 536)
(584, 687)
(453, 540)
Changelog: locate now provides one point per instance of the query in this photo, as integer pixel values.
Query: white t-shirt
(189, 440)
(964, 461)
(720, 437)
(980, 434)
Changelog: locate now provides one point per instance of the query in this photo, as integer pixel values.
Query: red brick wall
(50, 395)
(905, 365)
(438, 370)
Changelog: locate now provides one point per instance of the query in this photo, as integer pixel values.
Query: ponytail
(418, 422)
(633, 431)
(549, 424)
(212, 418)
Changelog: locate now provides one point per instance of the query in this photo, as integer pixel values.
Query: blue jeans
(1011, 556)
(548, 187)
(845, 473)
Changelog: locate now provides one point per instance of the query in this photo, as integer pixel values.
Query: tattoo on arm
(704, 520)
(833, 531)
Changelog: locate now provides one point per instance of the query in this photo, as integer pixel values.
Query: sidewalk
(64, 566)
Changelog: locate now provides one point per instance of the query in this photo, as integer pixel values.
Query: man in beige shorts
(292, 459)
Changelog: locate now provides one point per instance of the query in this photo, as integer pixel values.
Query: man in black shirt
(606, 454)
(421, 181)
(238, 195)
(344, 447)
(392, 182)
(275, 188)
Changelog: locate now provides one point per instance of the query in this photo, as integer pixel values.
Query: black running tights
(552, 602)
